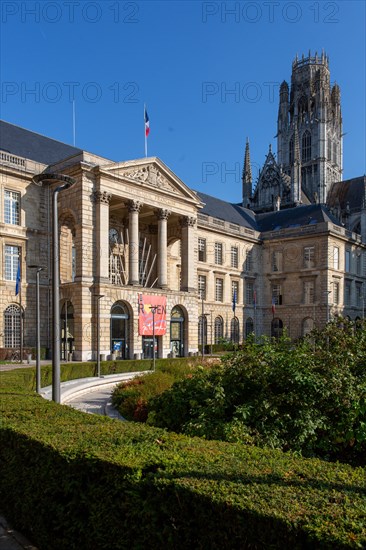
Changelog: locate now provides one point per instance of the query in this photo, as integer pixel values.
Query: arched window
(67, 248)
(202, 330)
(234, 330)
(219, 329)
(291, 151)
(306, 146)
(12, 326)
(302, 109)
(276, 328)
(307, 325)
(249, 327)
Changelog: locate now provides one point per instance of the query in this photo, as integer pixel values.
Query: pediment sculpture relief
(152, 175)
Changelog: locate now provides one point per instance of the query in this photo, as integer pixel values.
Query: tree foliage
(309, 398)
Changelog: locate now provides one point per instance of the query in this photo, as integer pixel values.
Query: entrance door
(119, 331)
(147, 347)
(67, 330)
(177, 332)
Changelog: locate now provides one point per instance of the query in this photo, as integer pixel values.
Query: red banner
(146, 316)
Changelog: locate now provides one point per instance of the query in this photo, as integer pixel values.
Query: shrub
(309, 398)
(131, 398)
(74, 480)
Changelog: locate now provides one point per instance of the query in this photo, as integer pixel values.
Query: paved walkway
(90, 395)
(12, 540)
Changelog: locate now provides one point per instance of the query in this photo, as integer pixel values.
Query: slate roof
(269, 221)
(233, 213)
(24, 143)
(295, 217)
(351, 191)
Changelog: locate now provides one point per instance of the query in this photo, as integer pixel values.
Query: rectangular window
(12, 207)
(277, 295)
(335, 257)
(235, 290)
(115, 268)
(359, 296)
(308, 292)
(73, 263)
(309, 256)
(202, 287)
(219, 290)
(277, 261)
(11, 262)
(249, 293)
(234, 256)
(347, 261)
(249, 261)
(218, 253)
(358, 263)
(335, 293)
(347, 293)
(202, 250)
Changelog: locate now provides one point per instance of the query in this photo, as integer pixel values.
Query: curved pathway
(96, 401)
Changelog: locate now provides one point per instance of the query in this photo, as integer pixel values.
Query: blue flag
(17, 284)
(234, 301)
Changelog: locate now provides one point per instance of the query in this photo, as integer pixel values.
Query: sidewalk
(12, 540)
(80, 386)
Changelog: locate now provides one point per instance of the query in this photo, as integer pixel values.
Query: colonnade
(188, 238)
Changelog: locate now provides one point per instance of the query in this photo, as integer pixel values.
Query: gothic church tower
(309, 117)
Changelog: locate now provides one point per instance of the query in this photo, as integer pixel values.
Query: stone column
(101, 199)
(133, 248)
(162, 214)
(189, 247)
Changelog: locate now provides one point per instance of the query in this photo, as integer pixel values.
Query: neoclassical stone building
(291, 253)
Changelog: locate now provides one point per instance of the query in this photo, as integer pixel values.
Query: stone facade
(290, 255)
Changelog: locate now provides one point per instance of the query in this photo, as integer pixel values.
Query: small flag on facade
(273, 305)
(147, 124)
(234, 301)
(18, 282)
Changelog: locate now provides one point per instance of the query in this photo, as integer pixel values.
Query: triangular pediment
(152, 172)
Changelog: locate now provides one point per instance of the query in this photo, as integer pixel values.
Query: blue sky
(182, 59)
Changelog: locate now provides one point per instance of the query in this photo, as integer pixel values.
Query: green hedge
(72, 371)
(75, 481)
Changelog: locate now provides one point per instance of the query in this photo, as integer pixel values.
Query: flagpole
(73, 122)
(145, 130)
(20, 306)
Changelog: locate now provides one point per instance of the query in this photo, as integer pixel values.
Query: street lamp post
(211, 328)
(153, 311)
(98, 298)
(203, 318)
(38, 330)
(67, 182)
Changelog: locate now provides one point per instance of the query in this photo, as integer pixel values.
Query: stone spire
(296, 170)
(247, 177)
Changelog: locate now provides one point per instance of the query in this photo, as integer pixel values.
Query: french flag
(273, 305)
(147, 124)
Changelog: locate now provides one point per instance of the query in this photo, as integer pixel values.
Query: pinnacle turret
(247, 177)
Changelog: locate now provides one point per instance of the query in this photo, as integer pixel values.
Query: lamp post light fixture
(38, 330)
(98, 297)
(203, 319)
(47, 178)
(153, 311)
